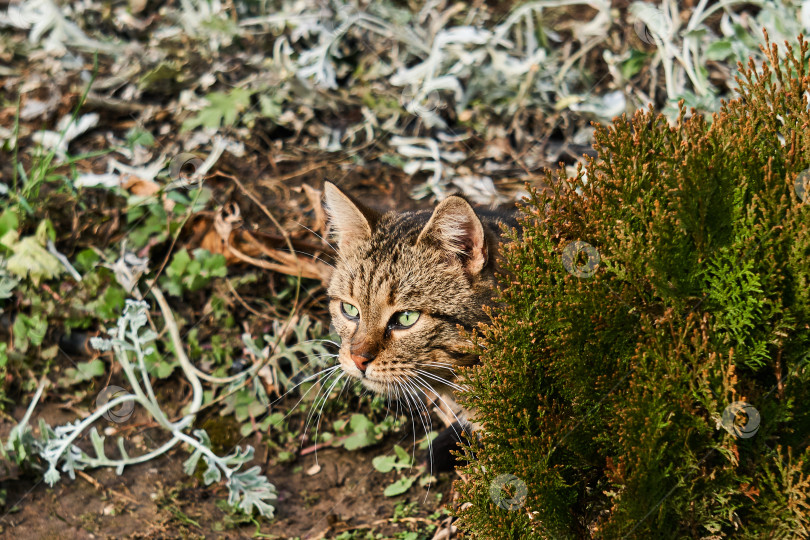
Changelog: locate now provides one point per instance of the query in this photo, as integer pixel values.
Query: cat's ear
(456, 227)
(348, 220)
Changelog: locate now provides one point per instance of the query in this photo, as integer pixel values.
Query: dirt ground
(158, 500)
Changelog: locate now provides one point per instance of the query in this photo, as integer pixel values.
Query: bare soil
(158, 500)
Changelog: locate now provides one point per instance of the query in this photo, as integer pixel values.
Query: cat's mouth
(376, 386)
(374, 381)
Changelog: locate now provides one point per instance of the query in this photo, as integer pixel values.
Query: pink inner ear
(475, 250)
(468, 241)
(456, 226)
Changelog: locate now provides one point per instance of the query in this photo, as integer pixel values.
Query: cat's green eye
(407, 319)
(349, 310)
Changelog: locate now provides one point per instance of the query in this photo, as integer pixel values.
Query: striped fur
(441, 264)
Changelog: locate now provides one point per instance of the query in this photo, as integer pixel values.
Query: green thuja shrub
(606, 390)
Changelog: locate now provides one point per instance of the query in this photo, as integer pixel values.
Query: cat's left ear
(348, 219)
(456, 227)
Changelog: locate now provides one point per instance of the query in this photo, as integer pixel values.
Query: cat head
(403, 283)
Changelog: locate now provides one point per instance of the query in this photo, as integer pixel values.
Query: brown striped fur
(440, 263)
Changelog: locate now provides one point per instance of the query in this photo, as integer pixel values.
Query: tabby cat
(402, 284)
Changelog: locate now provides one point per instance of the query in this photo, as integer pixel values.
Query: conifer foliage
(647, 373)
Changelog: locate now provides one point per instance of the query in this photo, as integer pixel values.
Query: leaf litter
(210, 125)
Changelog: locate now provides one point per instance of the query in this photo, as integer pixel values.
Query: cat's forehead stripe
(392, 292)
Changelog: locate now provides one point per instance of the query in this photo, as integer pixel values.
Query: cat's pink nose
(362, 361)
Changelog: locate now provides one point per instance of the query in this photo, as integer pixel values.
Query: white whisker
(418, 412)
(312, 256)
(316, 403)
(405, 394)
(319, 236)
(387, 401)
(322, 341)
(427, 431)
(442, 380)
(320, 413)
(437, 363)
(329, 370)
(449, 408)
(438, 366)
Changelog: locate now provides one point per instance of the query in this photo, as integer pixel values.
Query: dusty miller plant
(131, 342)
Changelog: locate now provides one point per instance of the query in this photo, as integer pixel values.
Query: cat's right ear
(455, 226)
(350, 221)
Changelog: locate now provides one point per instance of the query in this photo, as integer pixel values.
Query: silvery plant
(131, 341)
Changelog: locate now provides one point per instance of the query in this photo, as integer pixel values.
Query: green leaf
(401, 460)
(393, 160)
(246, 429)
(427, 480)
(403, 456)
(192, 273)
(223, 109)
(165, 71)
(163, 369)
(86, 260)
(107, 306)
(49, 353)
(360, 422)
(213, 263)
(8, 221)
(180, 262)
(400, 486)
(172, 288)
(45, 232)
(384, 464)
(29, 331)
(719, 50)
(29, 258)
(270, 107)
(113, 302)
(84, 371)
(362, 433)
(275, 420)
(138, 136)
(425, 444)
(634, 64)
